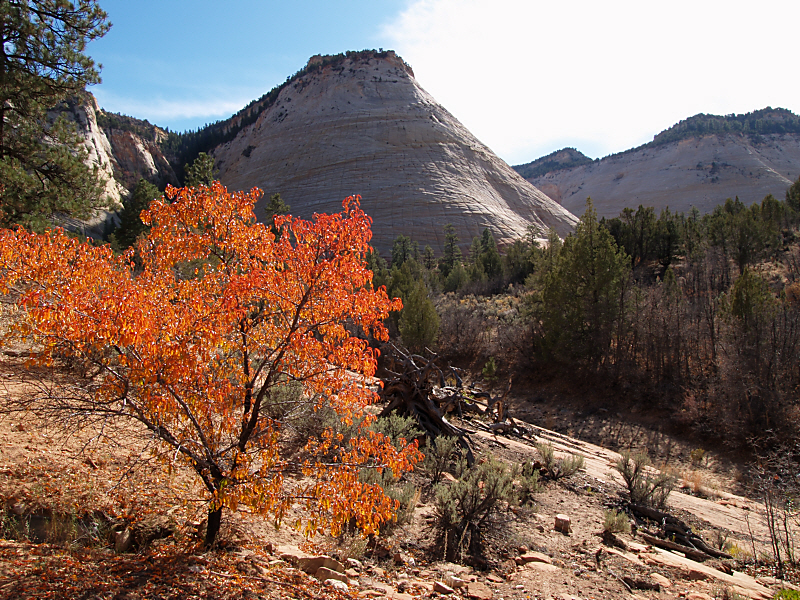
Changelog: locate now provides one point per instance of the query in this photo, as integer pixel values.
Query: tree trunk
(212, 529)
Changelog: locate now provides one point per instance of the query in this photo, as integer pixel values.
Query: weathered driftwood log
(500, 403)
(676, 530)
(667, 545)
(418, 387)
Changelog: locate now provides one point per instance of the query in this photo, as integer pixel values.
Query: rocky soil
(104, 521)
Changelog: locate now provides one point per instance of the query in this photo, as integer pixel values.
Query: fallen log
(667, 545)
(418, 387)
(672, 527)
(698, 543)
(651, 513)
(641, 584)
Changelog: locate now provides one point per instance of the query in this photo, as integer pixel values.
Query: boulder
(660, 580)
(124, 541)
(563, 524)
(454, 581)
(535, 557)
(442, 588)
(324, 573)
(311, 564)
(337, 585)
(479, 591)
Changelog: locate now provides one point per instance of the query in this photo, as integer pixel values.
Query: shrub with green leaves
(645, 486)
(441, 454)
(397, 428)
(616, 522)
(404, 493)
(529, 484)
(401, 431)
(697, 455)
(558, 467)
(465, 509)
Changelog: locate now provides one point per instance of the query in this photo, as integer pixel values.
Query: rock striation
(363, 125)
(682, 168)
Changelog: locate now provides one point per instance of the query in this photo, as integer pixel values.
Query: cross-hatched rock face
(364, 126)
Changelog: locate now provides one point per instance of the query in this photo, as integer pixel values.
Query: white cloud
(528, 77)
(163, 112)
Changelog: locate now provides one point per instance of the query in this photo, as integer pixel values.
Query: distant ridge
(699, 162)
(566, 158)
(754, 124)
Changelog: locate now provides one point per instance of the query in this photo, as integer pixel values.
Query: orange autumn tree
(198, 342)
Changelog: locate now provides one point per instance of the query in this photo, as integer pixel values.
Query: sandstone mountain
(361, 124)
(124, 148)
(699, 162)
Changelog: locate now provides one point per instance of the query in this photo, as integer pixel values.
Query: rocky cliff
(125, 149)
(361, 124)
(699, 162)
(137, 155)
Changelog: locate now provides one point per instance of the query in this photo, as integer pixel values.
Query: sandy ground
(44, 472)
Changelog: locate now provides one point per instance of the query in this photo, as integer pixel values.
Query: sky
(527, 77)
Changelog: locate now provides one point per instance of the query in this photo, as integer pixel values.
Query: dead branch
(676, 535)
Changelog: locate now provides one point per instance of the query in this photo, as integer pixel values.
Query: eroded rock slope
(363, 125)
(684, 167)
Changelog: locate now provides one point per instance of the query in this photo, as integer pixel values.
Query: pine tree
(490, 257)
(131, 226)
(201, 171)
(419, 321)
(42, 64)
(456, 279)
(428, 258)
(583, 297)
(452, 253)
(402, 250)
(276, 206)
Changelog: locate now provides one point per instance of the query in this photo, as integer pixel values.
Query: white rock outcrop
(365, 126)
(122, 157)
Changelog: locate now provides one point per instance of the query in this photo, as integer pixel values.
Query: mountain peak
(359, 123)
(320, 61)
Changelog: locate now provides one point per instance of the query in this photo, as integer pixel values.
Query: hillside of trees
(756, 124)
(759, 122)
(566, 158)
(695, 316)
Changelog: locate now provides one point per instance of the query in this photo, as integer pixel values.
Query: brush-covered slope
(698, 162)
(361, 124)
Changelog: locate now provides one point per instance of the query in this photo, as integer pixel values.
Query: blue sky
(525, 76)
